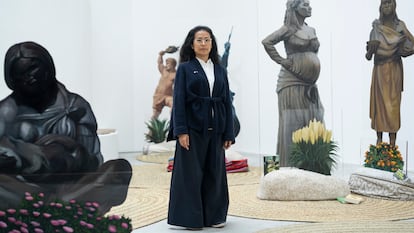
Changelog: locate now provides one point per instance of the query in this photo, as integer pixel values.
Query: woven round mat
(339, 227)
(244, 203)
(143, 206)
(159, 157)
(156, 175)
(150, 176)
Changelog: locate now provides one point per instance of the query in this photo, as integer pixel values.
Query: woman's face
(387, 7)
(202, 44)
(30, 76)
(304, 9)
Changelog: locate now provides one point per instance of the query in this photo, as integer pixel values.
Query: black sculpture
(48, 139)
(224, 62)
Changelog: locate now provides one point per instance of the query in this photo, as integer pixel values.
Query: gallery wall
(106, 50)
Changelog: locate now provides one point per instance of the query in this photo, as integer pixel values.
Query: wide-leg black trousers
(199, 193)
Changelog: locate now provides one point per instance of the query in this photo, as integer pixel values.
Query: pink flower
(11, 211)
(90, 226)
(112, 228)
(55, 223)
(95, 204)
(24, 230)
(114, 217)
(3, 224)
(24, 212)
(36, 213)
(38, 230)
(11, 219)
(29, 198)
(47, 215)
(62, 221)
(2, 213)
(124, 225)
(68, 229)
(35, 224)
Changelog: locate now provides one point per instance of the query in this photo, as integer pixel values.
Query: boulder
(293, 184)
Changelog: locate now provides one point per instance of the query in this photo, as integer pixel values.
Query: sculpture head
(29, 70)
(295, 9)
(170, 63)
(388, 8)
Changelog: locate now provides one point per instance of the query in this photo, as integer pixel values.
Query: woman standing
(298, 98)
(389, 41)
(202, 123)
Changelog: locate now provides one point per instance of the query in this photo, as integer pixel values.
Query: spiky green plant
(157, 130)
(313, 149)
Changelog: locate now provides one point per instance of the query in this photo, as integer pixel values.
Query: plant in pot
(313, 149)
(157, 132)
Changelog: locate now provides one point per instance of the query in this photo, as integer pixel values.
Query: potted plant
(157, 130)
(313, 148)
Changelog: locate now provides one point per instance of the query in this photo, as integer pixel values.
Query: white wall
(62, 27)
(106, 50)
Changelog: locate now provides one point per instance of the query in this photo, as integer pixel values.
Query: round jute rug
(244, 203)
(143, 206)
(156, 157)
(156, 175)
(342, 227)
(150, 176)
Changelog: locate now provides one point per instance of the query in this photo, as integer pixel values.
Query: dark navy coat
(194, 108)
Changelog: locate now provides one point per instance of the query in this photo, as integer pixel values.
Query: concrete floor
(236, 224)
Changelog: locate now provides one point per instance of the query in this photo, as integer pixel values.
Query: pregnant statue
(298, 97)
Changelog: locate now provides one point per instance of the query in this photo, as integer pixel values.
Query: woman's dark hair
(187, 52)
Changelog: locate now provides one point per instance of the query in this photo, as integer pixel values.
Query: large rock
(292, 184)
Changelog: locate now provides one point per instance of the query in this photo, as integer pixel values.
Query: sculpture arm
(408, 46)
(271, 40)
(160, 61)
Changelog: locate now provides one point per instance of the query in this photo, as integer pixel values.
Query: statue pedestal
(109, 143)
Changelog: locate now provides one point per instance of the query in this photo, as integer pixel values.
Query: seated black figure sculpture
(48, 139)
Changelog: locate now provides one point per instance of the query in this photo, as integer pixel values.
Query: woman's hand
(227, 145)
(184, 140)
(286, 63)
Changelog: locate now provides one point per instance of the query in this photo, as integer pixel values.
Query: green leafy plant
(35, 215)
(384, 157)
(313, 149)
(157, 130)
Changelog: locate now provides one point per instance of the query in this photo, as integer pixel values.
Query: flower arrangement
(36, 216)
(313, 148)
(384, 157)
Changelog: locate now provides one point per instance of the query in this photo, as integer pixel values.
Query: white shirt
(208, 68)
